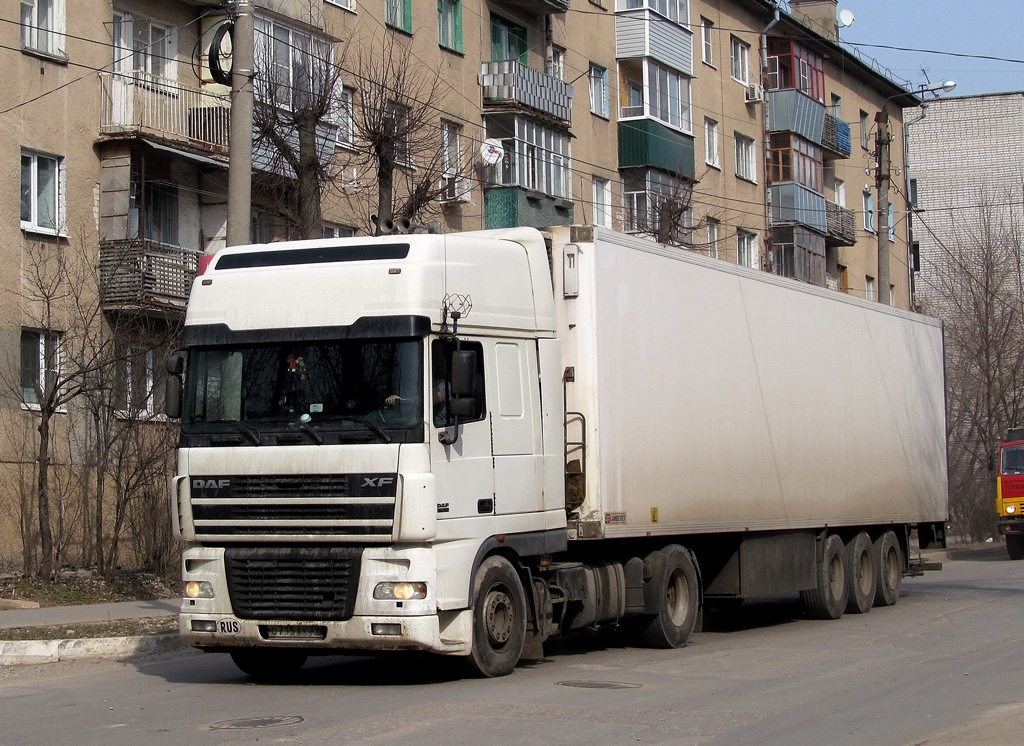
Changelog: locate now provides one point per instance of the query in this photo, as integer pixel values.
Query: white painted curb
(28, 652)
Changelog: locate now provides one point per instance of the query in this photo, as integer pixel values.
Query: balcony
(139, 274)
(643, 33)
(795, 204)
(543, 7)
(835, 137)
(139, 104)
(511, 82)
(841, 225)
(645, 143)
(790, 110)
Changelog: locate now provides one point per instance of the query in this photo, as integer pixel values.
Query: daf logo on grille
(211, 484)
(377, 481)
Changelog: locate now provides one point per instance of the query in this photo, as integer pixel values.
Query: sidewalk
(117, 648)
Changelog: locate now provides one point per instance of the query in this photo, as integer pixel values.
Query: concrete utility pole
(883, 141)
(240, 164)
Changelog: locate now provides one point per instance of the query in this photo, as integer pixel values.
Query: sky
(993, 28)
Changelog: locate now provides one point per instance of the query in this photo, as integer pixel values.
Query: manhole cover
(263, 722)
(599, 684)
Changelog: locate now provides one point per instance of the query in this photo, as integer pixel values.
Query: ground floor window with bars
(800, 254)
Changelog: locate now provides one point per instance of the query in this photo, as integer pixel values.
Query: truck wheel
(861, 576)
(499, 618)
(828, 599)
(269, 663)
(888, 569)
(676, 582)
(1015, 546)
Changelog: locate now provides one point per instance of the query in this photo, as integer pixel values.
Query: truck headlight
(198, 589)
(1011, 508)
(403, 591)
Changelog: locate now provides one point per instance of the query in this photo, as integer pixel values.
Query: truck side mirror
(463, 373)
(175, 364)
(173, 386)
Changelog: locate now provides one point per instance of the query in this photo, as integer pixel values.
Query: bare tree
(975, 285)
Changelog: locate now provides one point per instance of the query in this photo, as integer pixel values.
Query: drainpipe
(906, 194)
(767, 135)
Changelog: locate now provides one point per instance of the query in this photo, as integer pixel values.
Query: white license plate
(228, 626)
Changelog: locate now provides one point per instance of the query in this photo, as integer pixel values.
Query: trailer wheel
(888, 569)
(676, 581)
(861, 576)
(499, 618)
(267, 664)
(828, 599)
(1015, 546)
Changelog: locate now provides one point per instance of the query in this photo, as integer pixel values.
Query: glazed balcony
(511, 82)
(140, 274)
(646, 143)
(140, 104)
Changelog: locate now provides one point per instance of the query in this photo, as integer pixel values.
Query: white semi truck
(468, 443)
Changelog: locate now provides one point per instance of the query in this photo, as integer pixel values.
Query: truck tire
(1015, 546)
(861, 575)
(889, 569)
(267, 664)
(676, 586)
(499, 618)
(827, 600)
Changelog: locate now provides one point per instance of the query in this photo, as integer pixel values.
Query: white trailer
(422, 442)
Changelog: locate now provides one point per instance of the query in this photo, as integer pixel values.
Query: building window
(449, 24)
(746, 163)
(456, 187)
(669, 96)
(42, 193)
(400, 124)
(837, 106)
(536, 156)
(346, 124)
(508, 41)
(799, 253)
(42, 26)
(707, 54)
(161, 213)
(134, 383)
(869, 287)
(711, 142)
(892, 223)
(712, 238)
(865, 130)
(793, 158)
(556, 62)
(602, 202)
(840, 188)
(598, 90)
(650, 195)
(143, 48)
(40, 364)
(739, 57)
(793, 66)
(333, 230)
(288, 60)
(675, 10)
(746, 249)
(346, 4)
(398, 14)
(912, 186)
(869, 212)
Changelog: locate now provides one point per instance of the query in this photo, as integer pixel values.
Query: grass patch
(113, 628)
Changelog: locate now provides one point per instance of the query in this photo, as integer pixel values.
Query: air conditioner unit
(456, 189)
(754, 94)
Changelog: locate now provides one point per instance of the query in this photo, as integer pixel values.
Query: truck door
(515, 420)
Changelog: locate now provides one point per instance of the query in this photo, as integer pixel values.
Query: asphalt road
(942, 667)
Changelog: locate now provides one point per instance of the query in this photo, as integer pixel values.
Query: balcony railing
(513, 82)
(841, 224)
(143, 274)
(835, 136)
(137, 102)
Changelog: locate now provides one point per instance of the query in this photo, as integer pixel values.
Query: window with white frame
(865, 130)
(42, 26)
(347, 4)
(602, 202)
(712, 237)
(40, 364)
(144, 48)
(739, 57)
(869, 212)
(449, 24)
(676, 10)
(134, 380)
(599, 90)
(555, 66)
(669, 96)
(536, 157)
(42, 193)
(892, 223)
(707, 48)
(346, 124)
(456, 185)
(333, 230)
(746, 249)
(292, 63)
(644, 193)
(746, 160)
(869, 287)
(711, 142)
(400, 124)
(840, 189)
(398, 14)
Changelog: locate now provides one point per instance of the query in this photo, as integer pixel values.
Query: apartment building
(738, 128)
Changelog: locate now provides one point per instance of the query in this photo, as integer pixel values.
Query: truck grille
(340, 506)
(293, 583)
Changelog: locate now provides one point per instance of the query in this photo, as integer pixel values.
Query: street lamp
(883, 142)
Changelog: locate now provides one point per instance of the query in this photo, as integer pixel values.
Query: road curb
(30, 652)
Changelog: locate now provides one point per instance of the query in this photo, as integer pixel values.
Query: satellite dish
(491, 151)
(846, 18)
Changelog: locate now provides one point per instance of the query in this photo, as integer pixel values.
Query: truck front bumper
(1011, 526)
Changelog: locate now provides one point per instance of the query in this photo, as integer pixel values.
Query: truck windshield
(1011, 460)
(368, 385)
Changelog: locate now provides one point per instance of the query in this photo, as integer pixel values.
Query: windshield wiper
(250, 432)
(304, 426)
(377, 429)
